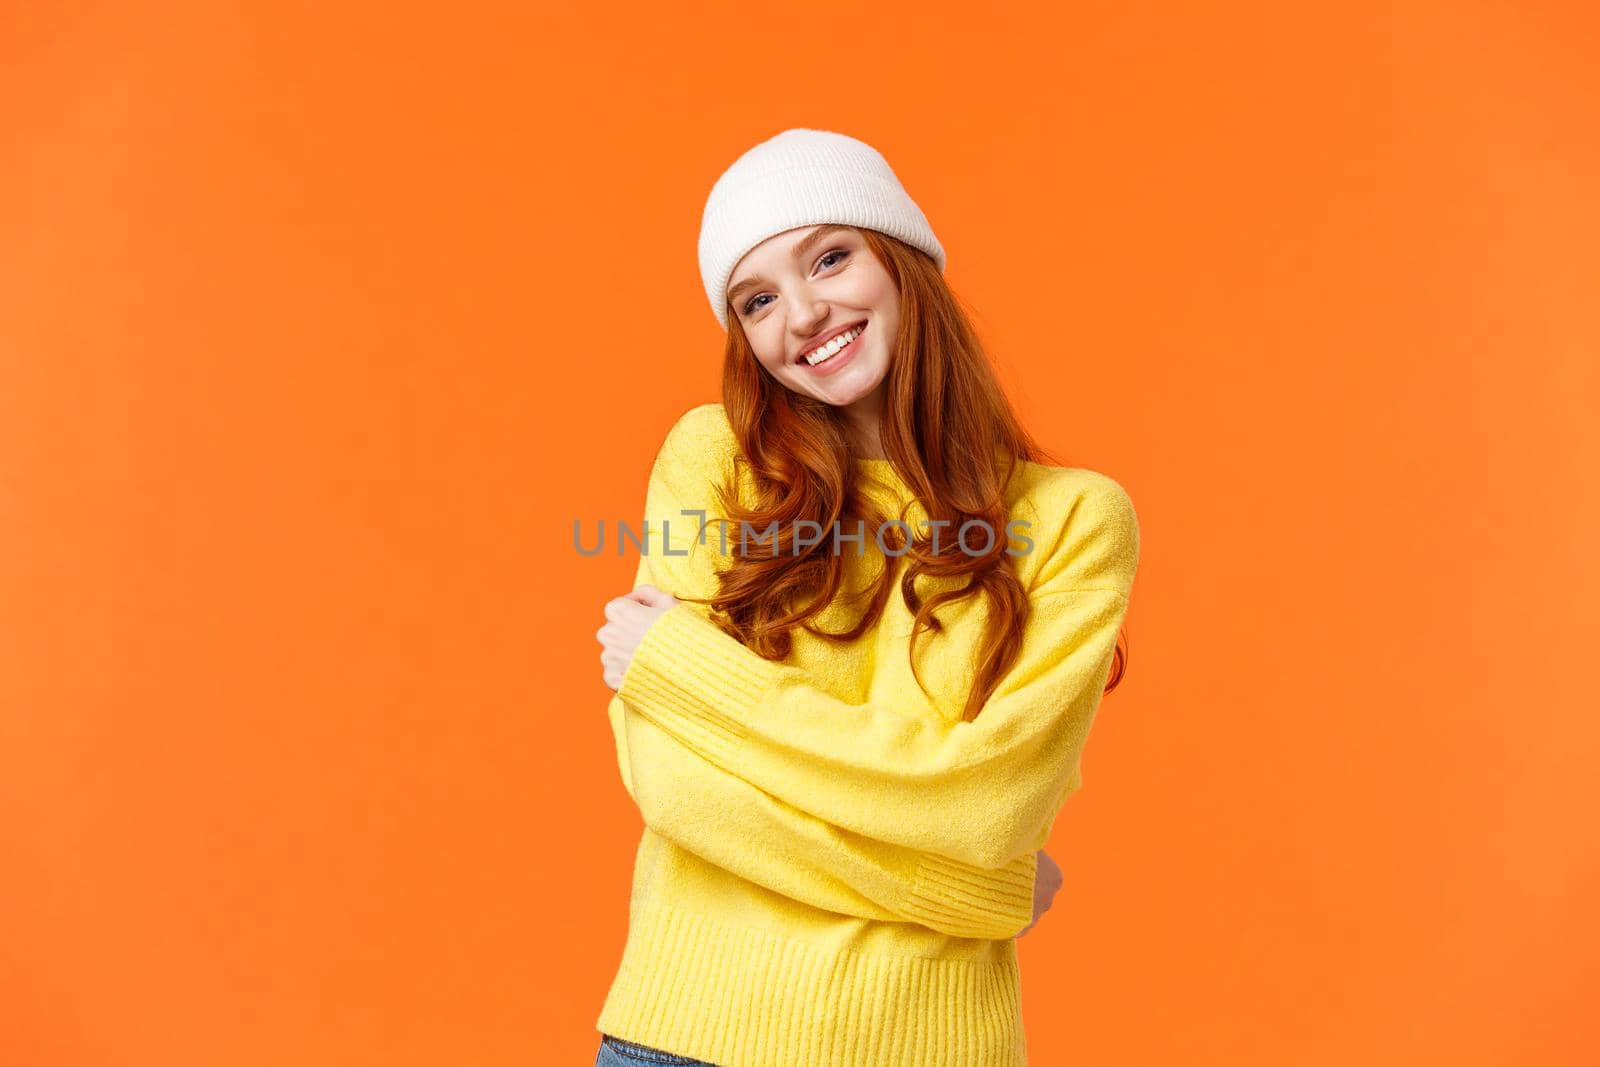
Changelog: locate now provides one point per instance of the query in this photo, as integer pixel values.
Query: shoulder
(697, 454)
(701, 432)
(1091, 498)
(1056, 497)
(1085, 528)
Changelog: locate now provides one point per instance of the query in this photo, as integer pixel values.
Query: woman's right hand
(1046, 884)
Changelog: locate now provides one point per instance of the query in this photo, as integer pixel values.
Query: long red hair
(946, 426)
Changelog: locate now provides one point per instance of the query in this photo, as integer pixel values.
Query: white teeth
(833, 346)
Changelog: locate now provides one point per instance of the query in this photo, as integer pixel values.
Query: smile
(835, 344)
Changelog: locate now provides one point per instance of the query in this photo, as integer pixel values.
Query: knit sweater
(834, 863)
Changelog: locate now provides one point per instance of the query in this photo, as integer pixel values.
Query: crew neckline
(880, 473)
(883, 468)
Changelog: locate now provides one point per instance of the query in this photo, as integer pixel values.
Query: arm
(725, 820)
(983, 792)
(728, 822)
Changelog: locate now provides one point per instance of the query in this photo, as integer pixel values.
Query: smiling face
(797, 291)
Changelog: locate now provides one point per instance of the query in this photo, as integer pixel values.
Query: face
(797, 290)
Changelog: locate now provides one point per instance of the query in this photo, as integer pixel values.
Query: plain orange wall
(319, 329)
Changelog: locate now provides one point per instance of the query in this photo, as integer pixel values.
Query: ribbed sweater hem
(741, 997)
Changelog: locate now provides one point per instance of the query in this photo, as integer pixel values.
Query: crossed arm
(744, 761)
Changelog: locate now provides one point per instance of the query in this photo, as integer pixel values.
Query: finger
(651, 596)
(622, 608)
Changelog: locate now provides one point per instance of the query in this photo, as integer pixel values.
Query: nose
(808, 315)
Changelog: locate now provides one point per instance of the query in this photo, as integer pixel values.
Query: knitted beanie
(802, 177)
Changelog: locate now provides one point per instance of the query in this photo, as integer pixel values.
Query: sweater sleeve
(726, 821)
(983, 792)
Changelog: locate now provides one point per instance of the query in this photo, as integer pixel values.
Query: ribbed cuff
(993, 904)
(697, 682)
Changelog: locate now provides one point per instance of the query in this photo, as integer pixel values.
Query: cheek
(877, 290)
(769, 353)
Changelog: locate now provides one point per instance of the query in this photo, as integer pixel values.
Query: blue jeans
(615, 1052)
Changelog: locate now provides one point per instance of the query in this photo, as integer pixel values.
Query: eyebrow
(801, 249)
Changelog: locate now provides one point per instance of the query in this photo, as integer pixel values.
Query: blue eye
(750, 305)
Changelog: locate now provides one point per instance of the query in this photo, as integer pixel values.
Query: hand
(1045, 887)
(628, 617)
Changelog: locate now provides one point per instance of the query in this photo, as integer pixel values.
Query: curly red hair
(946, 426)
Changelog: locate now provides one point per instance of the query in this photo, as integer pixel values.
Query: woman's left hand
(627, 619)
(1046, 884)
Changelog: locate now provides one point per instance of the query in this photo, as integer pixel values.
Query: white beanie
(802, 177)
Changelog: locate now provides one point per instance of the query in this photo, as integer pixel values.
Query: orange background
(319, 330)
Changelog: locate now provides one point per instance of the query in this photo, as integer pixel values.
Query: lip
(812, 346)
(838, 360)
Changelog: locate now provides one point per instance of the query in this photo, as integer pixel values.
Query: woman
(869, 633)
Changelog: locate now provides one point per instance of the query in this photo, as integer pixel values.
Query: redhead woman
(871, 627)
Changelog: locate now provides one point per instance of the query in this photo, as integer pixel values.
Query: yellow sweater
(834, 866)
